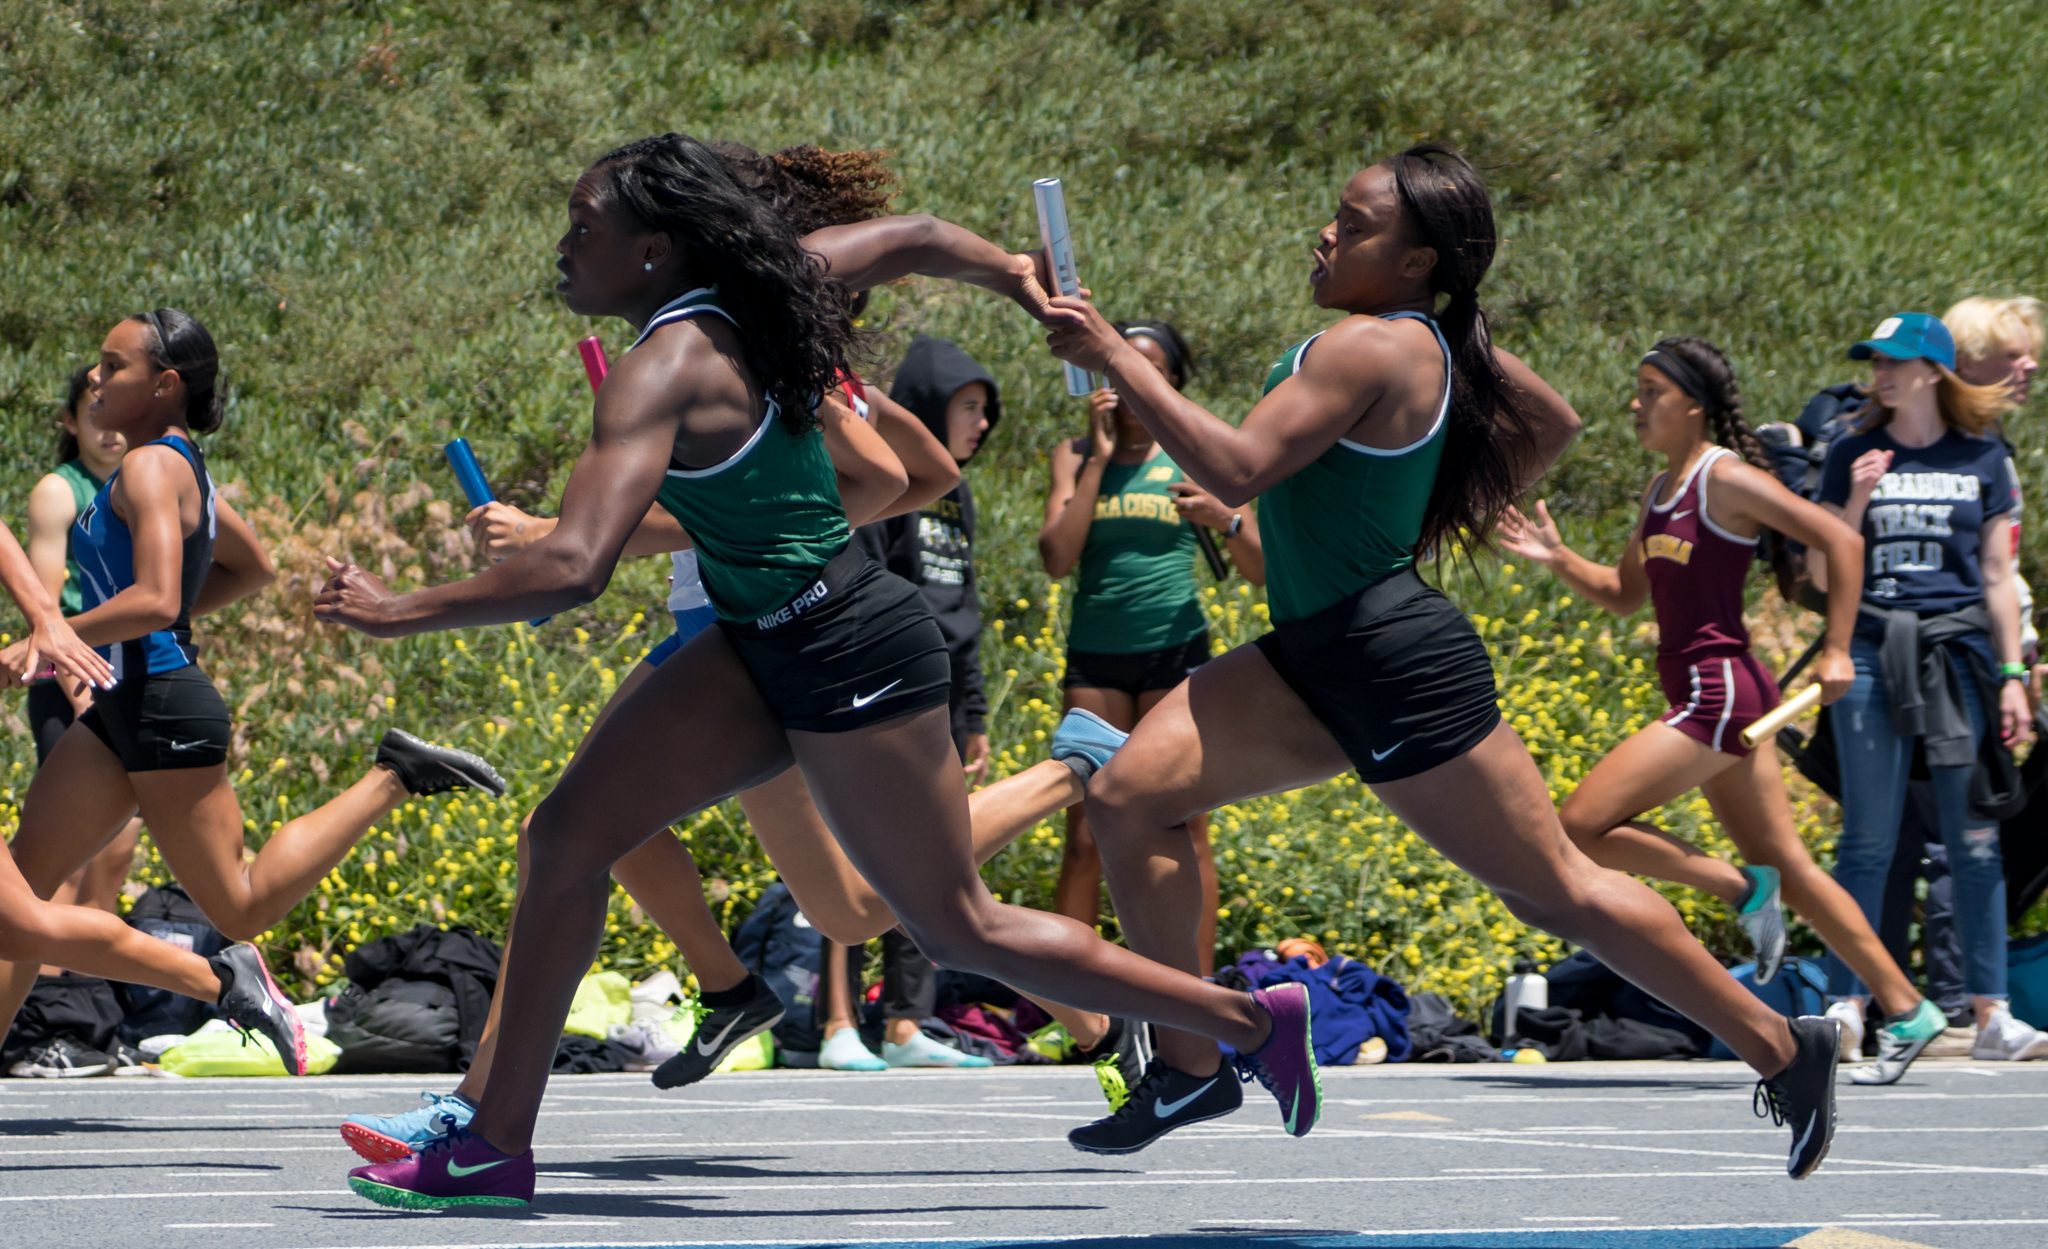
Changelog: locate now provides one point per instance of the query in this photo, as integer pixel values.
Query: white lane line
(807, 1186)
(1571, 1218)
(195, 1226)
(1888, 1215)
(1243, 1222)
(900, 1222)
(1491, 1170)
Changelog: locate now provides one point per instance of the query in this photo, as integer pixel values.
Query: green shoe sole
(405, 1199)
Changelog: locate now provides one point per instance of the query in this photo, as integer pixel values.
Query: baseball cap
(1909, 336)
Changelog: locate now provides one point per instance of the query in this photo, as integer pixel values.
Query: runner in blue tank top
(156, 548)
(833, 667)
(1400, 431)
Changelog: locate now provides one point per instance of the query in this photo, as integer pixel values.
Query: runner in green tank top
(1367, 666)
(1122, 513)
(846, 680)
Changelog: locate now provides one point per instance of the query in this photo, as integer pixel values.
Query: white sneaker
(647, 1044)
(2005, 1039)
(655, 998)
(1848, 1016)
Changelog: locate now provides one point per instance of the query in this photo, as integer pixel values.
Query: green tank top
(767, 519)
(1353, 516)
(84, 488)
(1137, 583)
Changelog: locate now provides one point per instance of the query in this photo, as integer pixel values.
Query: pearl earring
(649, 266)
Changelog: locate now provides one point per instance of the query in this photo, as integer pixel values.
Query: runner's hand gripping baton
(470, 475)
(1768, 724)
(1059, 253)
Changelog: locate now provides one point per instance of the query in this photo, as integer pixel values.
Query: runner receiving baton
(1691, 555)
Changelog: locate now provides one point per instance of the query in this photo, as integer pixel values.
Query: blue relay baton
(470, 475)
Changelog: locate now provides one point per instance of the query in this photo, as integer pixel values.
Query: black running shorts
(49, 714)
(857, 647)
(1138, 673)
(1395, 672)
(158, 723)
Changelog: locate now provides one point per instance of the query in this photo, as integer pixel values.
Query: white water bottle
(1527, 990)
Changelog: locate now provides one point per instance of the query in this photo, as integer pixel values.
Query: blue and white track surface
(1594, 1155)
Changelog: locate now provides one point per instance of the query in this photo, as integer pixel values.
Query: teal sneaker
(1762, 916)
(387, 1138)
(1900, 1042)
(1085, 742)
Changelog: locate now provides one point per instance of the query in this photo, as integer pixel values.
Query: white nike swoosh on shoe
(862, 700)
(1166, 1110)
(708, 1050)
(1799, 1146)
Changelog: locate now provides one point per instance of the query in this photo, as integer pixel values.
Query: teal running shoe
(1085, 741)
(387, 1138)
(1900, 1042)
(1762, 916)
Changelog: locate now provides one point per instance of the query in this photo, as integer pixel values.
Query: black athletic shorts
(1137, 673)
(158, 723)
(49, 714)
(1395, 672)
(856, 647)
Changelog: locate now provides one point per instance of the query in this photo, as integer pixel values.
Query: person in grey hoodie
(933, 549)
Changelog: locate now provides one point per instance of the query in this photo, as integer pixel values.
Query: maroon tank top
(1697, 572)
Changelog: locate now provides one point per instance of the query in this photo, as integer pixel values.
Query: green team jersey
(1353, 516)
(768, 518)
(1137, 584)
(84, 488)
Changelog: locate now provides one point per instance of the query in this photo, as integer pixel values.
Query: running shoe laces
(1766, 1103)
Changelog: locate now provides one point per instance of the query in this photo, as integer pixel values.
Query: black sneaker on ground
(1802, 1096)
(126, 1060)
(251, 1001)
(61, 1058)
(720, 1031)
(1163, 1099)
(424, 768)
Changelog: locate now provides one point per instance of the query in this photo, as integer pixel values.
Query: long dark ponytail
(179, 341)
(1491, 427)
(796, 329)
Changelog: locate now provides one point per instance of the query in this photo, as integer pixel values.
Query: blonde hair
(1972, 409)
(1982, 326)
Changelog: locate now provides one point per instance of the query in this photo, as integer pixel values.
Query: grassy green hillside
(361, 200)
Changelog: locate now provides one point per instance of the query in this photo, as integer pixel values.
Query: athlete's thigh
(1646, 771)
(695, 731)
(1115, 706)
(1489, 812)
(78, 801)
(638, 677)
(908, 836)
(1755, 811)
(196, 821)
(1233, 730)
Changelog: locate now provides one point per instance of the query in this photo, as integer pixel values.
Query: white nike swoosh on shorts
(862, 700)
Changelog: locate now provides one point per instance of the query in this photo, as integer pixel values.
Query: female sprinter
(156, 547)
(819, 660)
(90, 940)
(1398, 430)
(1690, 556)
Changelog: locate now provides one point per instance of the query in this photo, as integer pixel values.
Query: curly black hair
(795, 328)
